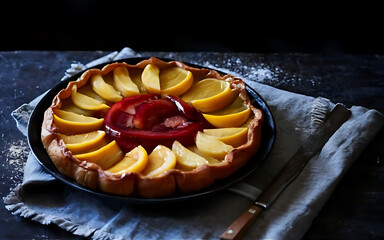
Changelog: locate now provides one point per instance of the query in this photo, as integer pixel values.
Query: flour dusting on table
(262, 72)
(259, 73)
(16, 154)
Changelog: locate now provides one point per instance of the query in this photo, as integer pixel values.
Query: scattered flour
(15, 155)
(261, 72)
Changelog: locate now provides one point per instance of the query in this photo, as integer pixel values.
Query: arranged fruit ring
(152, 129)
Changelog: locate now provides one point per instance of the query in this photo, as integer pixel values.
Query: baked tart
(152, 129)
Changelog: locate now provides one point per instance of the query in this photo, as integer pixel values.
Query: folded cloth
(42, 198)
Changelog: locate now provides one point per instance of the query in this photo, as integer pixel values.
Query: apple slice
(186, 159)
(85, 102)
(135, 75)
(80, 143)
(211, 160)
(134, 161)
(105, 90)
(232, 136)
(123, 82)
(160, 160)
(72, 123)
(105, 157)
(233, 115)
(70, 107)
(175, 81)
(150, 78)
(88, 90)
(210, 94)
(211, 146)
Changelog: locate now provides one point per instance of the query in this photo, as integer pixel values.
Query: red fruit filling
(149, 120)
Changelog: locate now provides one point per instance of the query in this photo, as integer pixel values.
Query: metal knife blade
(288, 173)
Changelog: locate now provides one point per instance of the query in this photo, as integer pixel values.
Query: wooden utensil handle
(241, 225)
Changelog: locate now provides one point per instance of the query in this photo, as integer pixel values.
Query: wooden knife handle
(241, 225)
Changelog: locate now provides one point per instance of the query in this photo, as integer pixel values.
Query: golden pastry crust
(133, 184)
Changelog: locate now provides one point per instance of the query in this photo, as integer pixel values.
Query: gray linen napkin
(42, 198)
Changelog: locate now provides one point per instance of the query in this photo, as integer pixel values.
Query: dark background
(322, 27)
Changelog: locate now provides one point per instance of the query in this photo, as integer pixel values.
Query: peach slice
(73, 123)
(105, 157)
(234, 115)
(232, 136)
(209, 95)
(186, 159)
(88, 90)
(136, 79)
(85, 102)
(123, 82)
(70, 107)
(211, 160)
(134, 161)
(175, 81)
(211, 146)
(160, 160)
(150, 78)
(81, 143)
(103, 89)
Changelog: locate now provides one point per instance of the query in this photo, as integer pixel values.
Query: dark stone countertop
(355, 210)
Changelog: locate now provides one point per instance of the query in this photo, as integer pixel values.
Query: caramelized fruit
(134, 161)
(82, 142)
(149, 121)
(123, 82)
(211, 146)
(105, 157)
(209, 95)
(105, 90)
(187, 159)
(232, 136)
(86, 102)
(73, 123)
(233, 115)
(150, 78)
(160, 160)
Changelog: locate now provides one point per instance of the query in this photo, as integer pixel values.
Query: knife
(288, 173)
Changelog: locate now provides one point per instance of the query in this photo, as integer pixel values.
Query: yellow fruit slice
(70, 107)
(123, 82)
(211, 146)
(73, 123)
(232, 136)
(160, 160)
(103, 89)
(234, 115)
(85, 102)
(150, 78)
(209, 95)
(210, 160)
(105, 157)
(88, 90)
(136, 78)
(82, 142)
(175, 81)
(134, 161)
(186, 159)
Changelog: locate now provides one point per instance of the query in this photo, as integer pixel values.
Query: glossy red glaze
(148, 120)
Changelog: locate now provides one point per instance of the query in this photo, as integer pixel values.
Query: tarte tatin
(152, 129)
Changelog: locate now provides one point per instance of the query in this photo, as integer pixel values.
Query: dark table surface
(355, 210)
